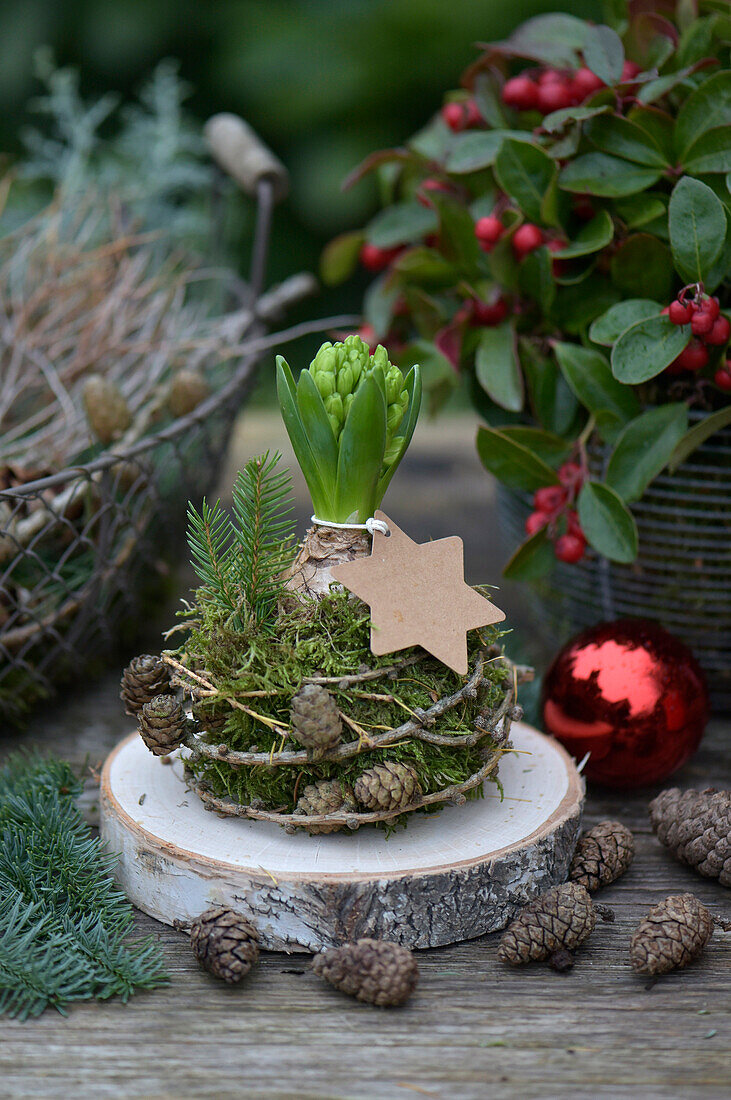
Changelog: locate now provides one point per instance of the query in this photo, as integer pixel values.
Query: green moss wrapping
(328, 637)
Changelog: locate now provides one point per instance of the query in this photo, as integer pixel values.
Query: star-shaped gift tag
(418, 596)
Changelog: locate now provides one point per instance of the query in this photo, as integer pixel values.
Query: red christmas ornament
(633, 696)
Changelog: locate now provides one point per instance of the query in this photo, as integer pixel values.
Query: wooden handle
(237, 149)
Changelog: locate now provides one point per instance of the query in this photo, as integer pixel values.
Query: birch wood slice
(447, 877)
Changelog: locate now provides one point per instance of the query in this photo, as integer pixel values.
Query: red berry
(694, 357)
(554, 96)
(488, 231)
(374, 258)
(550, 499)
(630, 69)
(569, 548)
(535, 521)
(559, 267)
(571, 475)
(489, 313)
(583, 207)
(431, 185)
(474, 116)
(586, 82)
(455, 116)
(720, 332)
(701, 322)
(722, 378)
(680, 313)
(711, 306)
(521, 93)
(526, 239)
(573, 525)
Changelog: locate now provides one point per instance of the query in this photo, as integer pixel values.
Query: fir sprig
(212, 542)
(64, 925)
(264, 531)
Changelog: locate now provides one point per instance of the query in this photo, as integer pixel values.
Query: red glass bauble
(632, 695)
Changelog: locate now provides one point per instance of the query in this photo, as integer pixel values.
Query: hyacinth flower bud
(325, 382)
(345, 380)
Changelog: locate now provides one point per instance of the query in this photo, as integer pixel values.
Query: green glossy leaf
(659, 126)
(646, 348)
(604, 53)
(600, 174)
(710, 153)
(497, 367)
(644, 448)
(558, 119)
(478, 149)
(642, 267)
(318, 429)
(553, 403)
(535, 278)
(620, 137)
(555, 38)
(638, 210)
(720, 269)
(704, 109)
(532, 560)
(607, 522)
(378, 304)
(458, 243)
(591, 238)
(339, 258)
(512, 463)
(525, 173)
(361, 450)
(487, 97)
(577, 306)
(589, 375)
(697, 228)
(698, 434)
(610, 326)
(322, 496)
(402, 223)
(551, 448)
(426, 266)
(656, 89)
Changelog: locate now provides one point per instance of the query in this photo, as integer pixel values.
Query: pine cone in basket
(696, 827)
(672, 934)
(106, 409)
(162, 724)
(316, 723)
(602, 855)
(144, 678)
(375, 971)
(553, 924)
(212, 717)
(187, 389)
(325, 797)
(387, 786)
(226, 943)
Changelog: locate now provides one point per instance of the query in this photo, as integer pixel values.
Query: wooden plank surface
(474, 1028)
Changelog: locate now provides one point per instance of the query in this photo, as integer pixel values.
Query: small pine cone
(325, 797)
(696, 827)
(106, 409)
(672, 934)
(212, 718)
(388, 786)
(162, 724)
(602, 855)
(187, 389)
(316, 723)
(143, 679)
(226, 943)
(375, 971)
(560, 919)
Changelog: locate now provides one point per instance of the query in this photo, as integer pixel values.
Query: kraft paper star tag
(418, 595)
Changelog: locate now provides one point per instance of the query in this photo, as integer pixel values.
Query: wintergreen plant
(350, 418)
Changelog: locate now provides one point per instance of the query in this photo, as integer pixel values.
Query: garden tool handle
(244, 156)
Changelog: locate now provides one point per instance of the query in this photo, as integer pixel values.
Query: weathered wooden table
(473, 1029)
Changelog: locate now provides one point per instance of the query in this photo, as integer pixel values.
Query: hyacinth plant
(558, 238)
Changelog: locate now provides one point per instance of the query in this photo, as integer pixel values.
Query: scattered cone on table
(671, 936)
(602, 855)
(696, 827)
(225, 943)
(374, 971)
(550, 928)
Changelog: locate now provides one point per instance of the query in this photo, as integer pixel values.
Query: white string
(371, 525)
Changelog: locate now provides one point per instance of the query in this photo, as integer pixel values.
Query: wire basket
(82, 549)
(680, 577)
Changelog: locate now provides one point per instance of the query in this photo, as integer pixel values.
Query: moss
(328, 637)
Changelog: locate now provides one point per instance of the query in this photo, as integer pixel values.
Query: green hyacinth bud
(334, 407)
(394, 385)
(325, 382)
(380, 359)
(326, 360)
(345, 380)
(347, 402)
(394, 416)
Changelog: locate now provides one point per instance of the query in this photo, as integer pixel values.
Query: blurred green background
(323, 81)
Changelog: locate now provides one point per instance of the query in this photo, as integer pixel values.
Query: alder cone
(143, 678)
(325, 797)
(602, 854)
(696, 827)
(226, 943)
(374, 971)
(162, 724)
(558, 920)
(387, 786)
(672, 934)
(316, 723)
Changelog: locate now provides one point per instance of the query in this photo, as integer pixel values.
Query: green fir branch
(262, 509)
(212, 542)
(64, 924)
